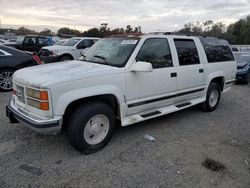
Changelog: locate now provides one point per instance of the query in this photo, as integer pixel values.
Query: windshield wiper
(102, 58)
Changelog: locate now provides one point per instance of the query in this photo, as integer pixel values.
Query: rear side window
(217, 50)
(157, 52)
(187, 52)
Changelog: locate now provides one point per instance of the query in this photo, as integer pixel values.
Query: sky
(154, 15)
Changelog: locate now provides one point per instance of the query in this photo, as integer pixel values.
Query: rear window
(217, 50)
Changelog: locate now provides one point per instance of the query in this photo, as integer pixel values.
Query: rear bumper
(48, 126)
(49, 59)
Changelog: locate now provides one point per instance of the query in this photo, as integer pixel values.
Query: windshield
(112, 51)
(242, 57)
(71, 42)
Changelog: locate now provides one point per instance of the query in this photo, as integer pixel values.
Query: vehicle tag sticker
(129, 42)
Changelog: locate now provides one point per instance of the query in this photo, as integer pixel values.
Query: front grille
(20, 93)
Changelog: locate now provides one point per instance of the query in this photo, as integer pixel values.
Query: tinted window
(217, 50)
(187, 52)
(30, 41)
(156, 52)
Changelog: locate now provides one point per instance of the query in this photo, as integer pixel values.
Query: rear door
(190, 72)
(29, 44)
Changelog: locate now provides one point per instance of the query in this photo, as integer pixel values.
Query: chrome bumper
(48, 126)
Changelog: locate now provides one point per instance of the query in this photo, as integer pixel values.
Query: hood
(46, 75)
(241, 65)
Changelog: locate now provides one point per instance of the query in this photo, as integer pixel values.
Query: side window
(217, 50)
(29, 41)
(85, 44)
(187, 52)
(42, 40)
(157, 52)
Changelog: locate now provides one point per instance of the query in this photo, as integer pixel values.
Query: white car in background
(60, 42)
(69, 50)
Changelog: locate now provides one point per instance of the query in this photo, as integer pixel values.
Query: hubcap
(213, 98)
(6, 80)
(96, 129)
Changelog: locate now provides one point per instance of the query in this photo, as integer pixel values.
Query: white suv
(69, 50)
(125, 79)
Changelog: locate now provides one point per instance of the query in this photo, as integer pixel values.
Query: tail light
(37, 59)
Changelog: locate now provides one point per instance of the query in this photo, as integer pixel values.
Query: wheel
(66, 58)
(213, 97)
(6, 80)
(90, 127)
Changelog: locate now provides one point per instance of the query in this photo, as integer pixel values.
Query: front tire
(91, 127)
(212, 98)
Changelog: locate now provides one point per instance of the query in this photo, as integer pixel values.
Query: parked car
(69, 50)
(12, 60)
(243, 66)
(31, 43)
(125, 79)
(11, 41)
(2, 41)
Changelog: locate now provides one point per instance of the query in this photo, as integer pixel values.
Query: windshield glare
(71, 42)
(242, 58)
(114, 52)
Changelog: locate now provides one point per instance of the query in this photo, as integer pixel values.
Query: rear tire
(6, 83)
(90, 127)
(66, 58)
(212, 98)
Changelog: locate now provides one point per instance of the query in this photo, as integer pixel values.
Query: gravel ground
(183, 141)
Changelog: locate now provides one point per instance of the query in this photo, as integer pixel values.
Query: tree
(46, 32)
(129, 29)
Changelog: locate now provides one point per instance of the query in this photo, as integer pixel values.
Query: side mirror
(141, 66)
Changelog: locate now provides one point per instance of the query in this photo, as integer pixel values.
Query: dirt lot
(183, 141)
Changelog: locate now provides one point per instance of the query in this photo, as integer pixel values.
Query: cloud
(167, 15)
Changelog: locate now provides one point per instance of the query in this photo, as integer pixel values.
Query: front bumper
(44, 126)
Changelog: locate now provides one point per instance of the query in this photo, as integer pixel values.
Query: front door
(146, 91)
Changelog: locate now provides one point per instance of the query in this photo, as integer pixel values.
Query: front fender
(71, 96)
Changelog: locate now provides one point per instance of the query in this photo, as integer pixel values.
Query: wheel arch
(217, 77)
(110, 99)
(66, 54)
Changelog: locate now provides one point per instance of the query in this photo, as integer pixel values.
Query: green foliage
(236, 33)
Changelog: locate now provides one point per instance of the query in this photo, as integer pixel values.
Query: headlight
(37, 98)
(37, 94)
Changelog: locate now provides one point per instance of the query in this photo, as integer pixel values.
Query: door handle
(201, 70)
(174, 74)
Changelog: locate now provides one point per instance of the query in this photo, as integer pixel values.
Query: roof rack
(176, 33)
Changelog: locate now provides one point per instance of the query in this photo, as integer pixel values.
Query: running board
(136, 118)
(183, 105)
(151, 114)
